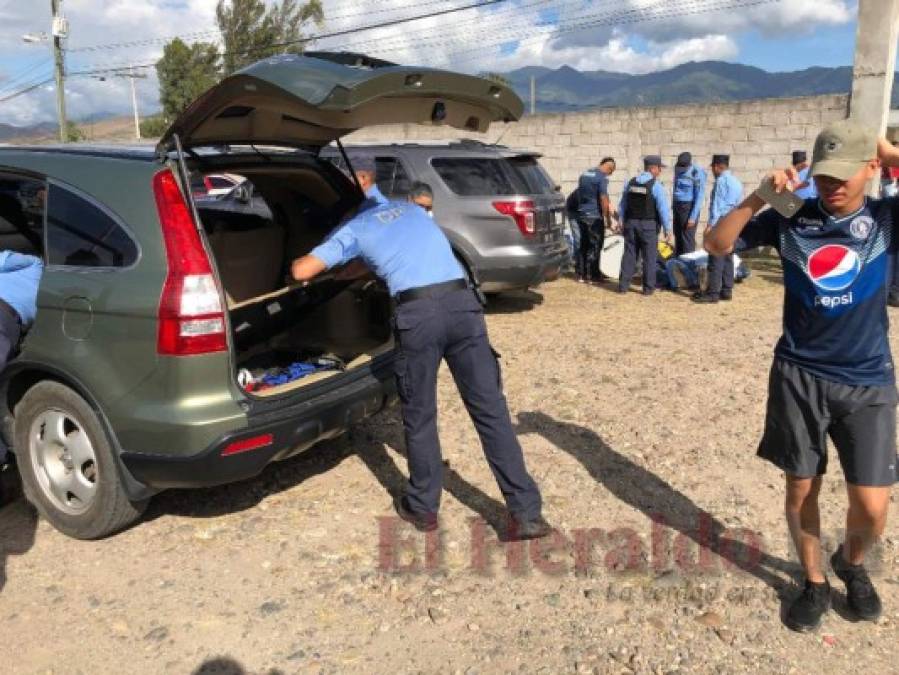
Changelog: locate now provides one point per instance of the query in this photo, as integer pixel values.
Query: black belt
(6, 309)
(432, 291)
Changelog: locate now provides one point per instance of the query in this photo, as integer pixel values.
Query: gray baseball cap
(362, 162)
(843, 148)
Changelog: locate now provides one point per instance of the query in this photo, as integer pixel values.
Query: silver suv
(502, 213)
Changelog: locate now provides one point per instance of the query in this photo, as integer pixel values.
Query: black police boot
(520, 529)
(893, 297)
(807, 611)
(423, 522)
(705, 298)
(863, 599)
(726, 295)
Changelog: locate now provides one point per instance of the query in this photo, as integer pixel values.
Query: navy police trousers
(452, 328)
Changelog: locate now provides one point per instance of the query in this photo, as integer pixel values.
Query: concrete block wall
(759, 135)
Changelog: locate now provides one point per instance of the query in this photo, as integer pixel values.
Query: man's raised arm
(720, 239)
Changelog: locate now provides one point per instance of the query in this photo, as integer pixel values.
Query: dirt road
(639, 419)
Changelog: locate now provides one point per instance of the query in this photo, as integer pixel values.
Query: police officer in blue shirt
(20, 276)
(806, 187)
(365, 168)
(726, 194)
(437, 318)
(689, 190)
(644, 208)
(593, 216)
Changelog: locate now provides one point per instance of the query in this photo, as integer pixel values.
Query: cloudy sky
(632, 36)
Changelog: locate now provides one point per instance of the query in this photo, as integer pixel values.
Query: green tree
(251, 32)
(74, 133)
(185, 72)
(153, 126)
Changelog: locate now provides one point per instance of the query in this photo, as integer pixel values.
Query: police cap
(652, 160)
(721, 159)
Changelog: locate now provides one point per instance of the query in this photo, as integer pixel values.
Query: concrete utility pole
(59, 32)
(131, 77)
(875, 62)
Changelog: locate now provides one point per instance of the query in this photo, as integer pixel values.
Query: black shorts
(803, 410)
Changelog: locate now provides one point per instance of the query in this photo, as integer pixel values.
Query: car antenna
(502, 135)
(349, 167)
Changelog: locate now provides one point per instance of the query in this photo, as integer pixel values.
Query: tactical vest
(641, 205)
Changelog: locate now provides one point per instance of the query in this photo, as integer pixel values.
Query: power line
(212, 32)
(16, 94)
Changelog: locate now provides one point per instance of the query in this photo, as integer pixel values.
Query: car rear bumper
(523, 271)
(290, 429)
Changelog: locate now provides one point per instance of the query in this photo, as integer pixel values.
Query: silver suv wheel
(63, 461)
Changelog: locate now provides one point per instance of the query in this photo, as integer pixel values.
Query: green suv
(156, 312)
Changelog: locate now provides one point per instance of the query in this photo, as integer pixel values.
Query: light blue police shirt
(689, 186)
(810, 192)
(658, 193)
(20, 276)
(726, 194)
(398, 241)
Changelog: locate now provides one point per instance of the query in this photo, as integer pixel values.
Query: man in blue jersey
(833, 372)
(689, 189)
(437, 318)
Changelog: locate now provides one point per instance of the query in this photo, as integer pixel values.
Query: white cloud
(470, 40)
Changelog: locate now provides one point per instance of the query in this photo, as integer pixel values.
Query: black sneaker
(860, 593)
(705, 298)
(423, 522)
(726, 295)
(807, 611)
(520, 529)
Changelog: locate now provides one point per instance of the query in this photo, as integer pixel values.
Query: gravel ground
(639, 419)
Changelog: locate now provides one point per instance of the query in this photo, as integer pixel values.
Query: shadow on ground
(657, 499)
(18, 523)
(513, 302)
(225, 665)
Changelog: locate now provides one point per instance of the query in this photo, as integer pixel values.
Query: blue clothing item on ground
(809, 192)
(663, 207)
(691, 263)
(591, 185)
(294, 371)
(20, 276)
(836, 276)
(451, 328)
(726, 194)
(398, 241)
(689, 187)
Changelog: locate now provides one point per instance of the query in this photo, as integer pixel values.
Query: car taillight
(248, 444)
(191, 319)
(522, 211)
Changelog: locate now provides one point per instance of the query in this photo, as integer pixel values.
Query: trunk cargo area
(285, 335)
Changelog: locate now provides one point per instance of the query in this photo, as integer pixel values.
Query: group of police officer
(644, 212)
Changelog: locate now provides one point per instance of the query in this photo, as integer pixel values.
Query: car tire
(67, 464)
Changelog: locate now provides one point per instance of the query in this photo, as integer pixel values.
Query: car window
(22, 203)
(80, 233)
(477, 176)
(535, 179)
(217, 182)
(391, 177)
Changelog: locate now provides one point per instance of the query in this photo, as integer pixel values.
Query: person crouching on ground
(833, 373)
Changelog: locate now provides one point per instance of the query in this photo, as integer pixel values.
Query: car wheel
(67, 464)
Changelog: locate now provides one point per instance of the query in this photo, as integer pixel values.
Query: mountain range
(567, 89)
